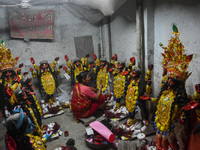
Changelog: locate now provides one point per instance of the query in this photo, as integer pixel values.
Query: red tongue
(48, 132)
(144, 97)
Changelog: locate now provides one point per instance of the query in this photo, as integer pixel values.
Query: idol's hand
(91, 64)
(31, 69)
(21, 65)
(32, 60)
(191, 105)
(150, 67)
(57, 58)
(60, 66)
(25, 73)
(66, 58)
(110, 70)
(64, 68)
(95, 56)
(132, 60)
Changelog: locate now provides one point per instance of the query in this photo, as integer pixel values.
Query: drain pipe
(140, 36)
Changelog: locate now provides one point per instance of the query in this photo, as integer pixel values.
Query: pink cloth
(87, 92)
(103, 130)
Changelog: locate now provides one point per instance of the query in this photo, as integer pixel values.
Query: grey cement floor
(66, 121)
(75, 130)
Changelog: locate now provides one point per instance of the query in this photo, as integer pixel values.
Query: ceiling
(91, 10)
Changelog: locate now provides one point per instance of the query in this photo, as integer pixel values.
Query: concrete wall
(66, 27)
(123, 32)
(159, 15)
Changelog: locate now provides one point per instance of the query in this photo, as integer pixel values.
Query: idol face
(44, 67)
(8, 75)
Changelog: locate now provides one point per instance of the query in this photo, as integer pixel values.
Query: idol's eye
(16, 107)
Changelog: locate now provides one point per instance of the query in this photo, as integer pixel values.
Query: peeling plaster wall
(185, 14)
(66, 27)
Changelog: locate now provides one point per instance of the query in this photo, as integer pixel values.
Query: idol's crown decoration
(6, 58)
(175, 61)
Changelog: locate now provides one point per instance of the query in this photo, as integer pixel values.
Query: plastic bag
(63, 97)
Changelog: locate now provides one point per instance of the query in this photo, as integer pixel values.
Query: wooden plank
(127, 145)
(150, 130)
(87, 121)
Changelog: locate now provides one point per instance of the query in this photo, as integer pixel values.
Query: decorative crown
(175, 61)
(6, 58)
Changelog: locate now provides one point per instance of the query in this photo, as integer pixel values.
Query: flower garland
(163, 119)
(36, 142)
(119, 85)
(77, 71)
(102, 78)
(132, 96)
(48, 83)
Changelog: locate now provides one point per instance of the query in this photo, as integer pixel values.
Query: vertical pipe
(110, 42)
(140, 36)
(101, 42)
(99, 51)
(106, 39)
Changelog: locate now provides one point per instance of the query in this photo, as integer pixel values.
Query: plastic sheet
(63, 97)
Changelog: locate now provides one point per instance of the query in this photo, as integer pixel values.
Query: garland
(119, 85)
(77, 71)
(36, 142)
(132, 96)
(162, 119)
(102, 78)
(48, 83)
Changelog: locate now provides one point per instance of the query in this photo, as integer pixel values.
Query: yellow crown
(175, 61)
(6, 58)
